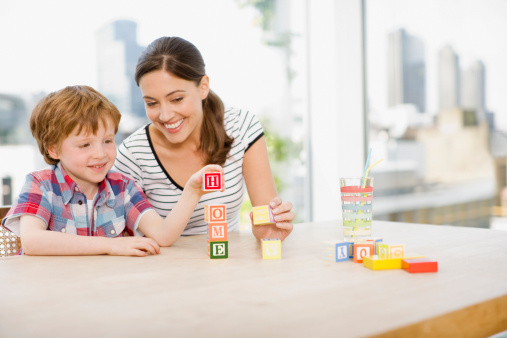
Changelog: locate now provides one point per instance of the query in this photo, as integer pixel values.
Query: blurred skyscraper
(117, 55)
(474, 89)
(448, 78)
(407, 70)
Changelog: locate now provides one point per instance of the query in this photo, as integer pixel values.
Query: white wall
(336, 122)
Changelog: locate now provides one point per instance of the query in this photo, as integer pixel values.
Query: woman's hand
(283, 215)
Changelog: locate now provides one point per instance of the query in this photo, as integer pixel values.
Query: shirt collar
(68, 187)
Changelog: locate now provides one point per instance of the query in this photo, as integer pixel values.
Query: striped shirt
(51, 195)
(138, 160)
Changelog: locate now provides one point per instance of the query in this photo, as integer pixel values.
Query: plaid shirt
(54, 197)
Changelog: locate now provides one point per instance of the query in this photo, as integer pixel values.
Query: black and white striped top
(137, 159)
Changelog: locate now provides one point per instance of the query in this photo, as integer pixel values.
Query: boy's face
(87, 157)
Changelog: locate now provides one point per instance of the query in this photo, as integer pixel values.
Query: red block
(415, 265)
(212, 181)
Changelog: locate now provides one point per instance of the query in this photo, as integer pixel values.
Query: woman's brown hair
(78, 108)
(182, 59)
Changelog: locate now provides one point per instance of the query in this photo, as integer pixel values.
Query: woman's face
(174, 105)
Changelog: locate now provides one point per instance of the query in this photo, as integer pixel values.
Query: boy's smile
(87, 157)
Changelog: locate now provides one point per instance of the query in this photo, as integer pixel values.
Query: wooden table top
(181, 292)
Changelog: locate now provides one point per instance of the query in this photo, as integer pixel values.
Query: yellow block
(271, 248)
(376, 263)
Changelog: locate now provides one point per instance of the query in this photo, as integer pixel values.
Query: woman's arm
(36, 240)
(262, 191)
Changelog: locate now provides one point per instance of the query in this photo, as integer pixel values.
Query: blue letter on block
(342, 251)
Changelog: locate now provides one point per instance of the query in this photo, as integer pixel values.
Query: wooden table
(182, 293)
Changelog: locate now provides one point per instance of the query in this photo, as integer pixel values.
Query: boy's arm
(166, 231)
(36, 240)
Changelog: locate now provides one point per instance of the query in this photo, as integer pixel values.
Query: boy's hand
(133, 246)
(283, 217)
(195, 181)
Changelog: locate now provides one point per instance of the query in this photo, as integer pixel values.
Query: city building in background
(448, 78)
(117, 55)
(407, 70)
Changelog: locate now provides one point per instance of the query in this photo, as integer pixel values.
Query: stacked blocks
(263, 215)
(271, 248)
(218, 245)
(415, 265)
(212, 181)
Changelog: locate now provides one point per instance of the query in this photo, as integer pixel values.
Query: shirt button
(112, 232)
(63, 230)
(80, 202)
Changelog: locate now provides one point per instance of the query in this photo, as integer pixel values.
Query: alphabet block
(415, 265)
(212, 181)
(215, 213)
(391, 250)
(362, 250)
(217, 232)
(337, 251)
(271, 248)
(263, 215)
(218, 250)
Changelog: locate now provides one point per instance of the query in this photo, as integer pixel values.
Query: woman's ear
(204, 86)
(53, 152)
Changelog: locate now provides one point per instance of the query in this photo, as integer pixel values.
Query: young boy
(86, 208)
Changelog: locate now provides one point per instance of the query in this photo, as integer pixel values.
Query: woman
(190, 128)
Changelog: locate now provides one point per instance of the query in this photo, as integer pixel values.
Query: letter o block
(215, 213)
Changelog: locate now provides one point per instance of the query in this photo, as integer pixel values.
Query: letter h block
(212, 181)
(271, 248)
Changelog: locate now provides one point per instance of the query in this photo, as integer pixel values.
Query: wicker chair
(10, 244)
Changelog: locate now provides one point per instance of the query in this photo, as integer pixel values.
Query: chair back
(10, 244)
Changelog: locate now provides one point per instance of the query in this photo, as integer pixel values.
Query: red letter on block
(212, 181)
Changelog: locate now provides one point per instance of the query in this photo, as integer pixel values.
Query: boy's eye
(84, 145)
(109, 141)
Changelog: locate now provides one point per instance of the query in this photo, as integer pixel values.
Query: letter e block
(212, 181)
(271, 248)
(263, 215)
(218, 250)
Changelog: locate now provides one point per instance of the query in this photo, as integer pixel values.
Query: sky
(47, 45)
(476, 29)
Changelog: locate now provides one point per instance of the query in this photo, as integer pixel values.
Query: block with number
(263, 215)
(271, 248)
(215, 213)
(363, 250)
(212, 181)
(218, 250)
(337, 251)
(217, 232)
(415, 265)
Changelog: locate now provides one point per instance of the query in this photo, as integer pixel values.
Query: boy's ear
(52, 151)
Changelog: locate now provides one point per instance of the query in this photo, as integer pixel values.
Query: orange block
(415, 265)
(217, 232)
(363, 250)
(215, 213)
